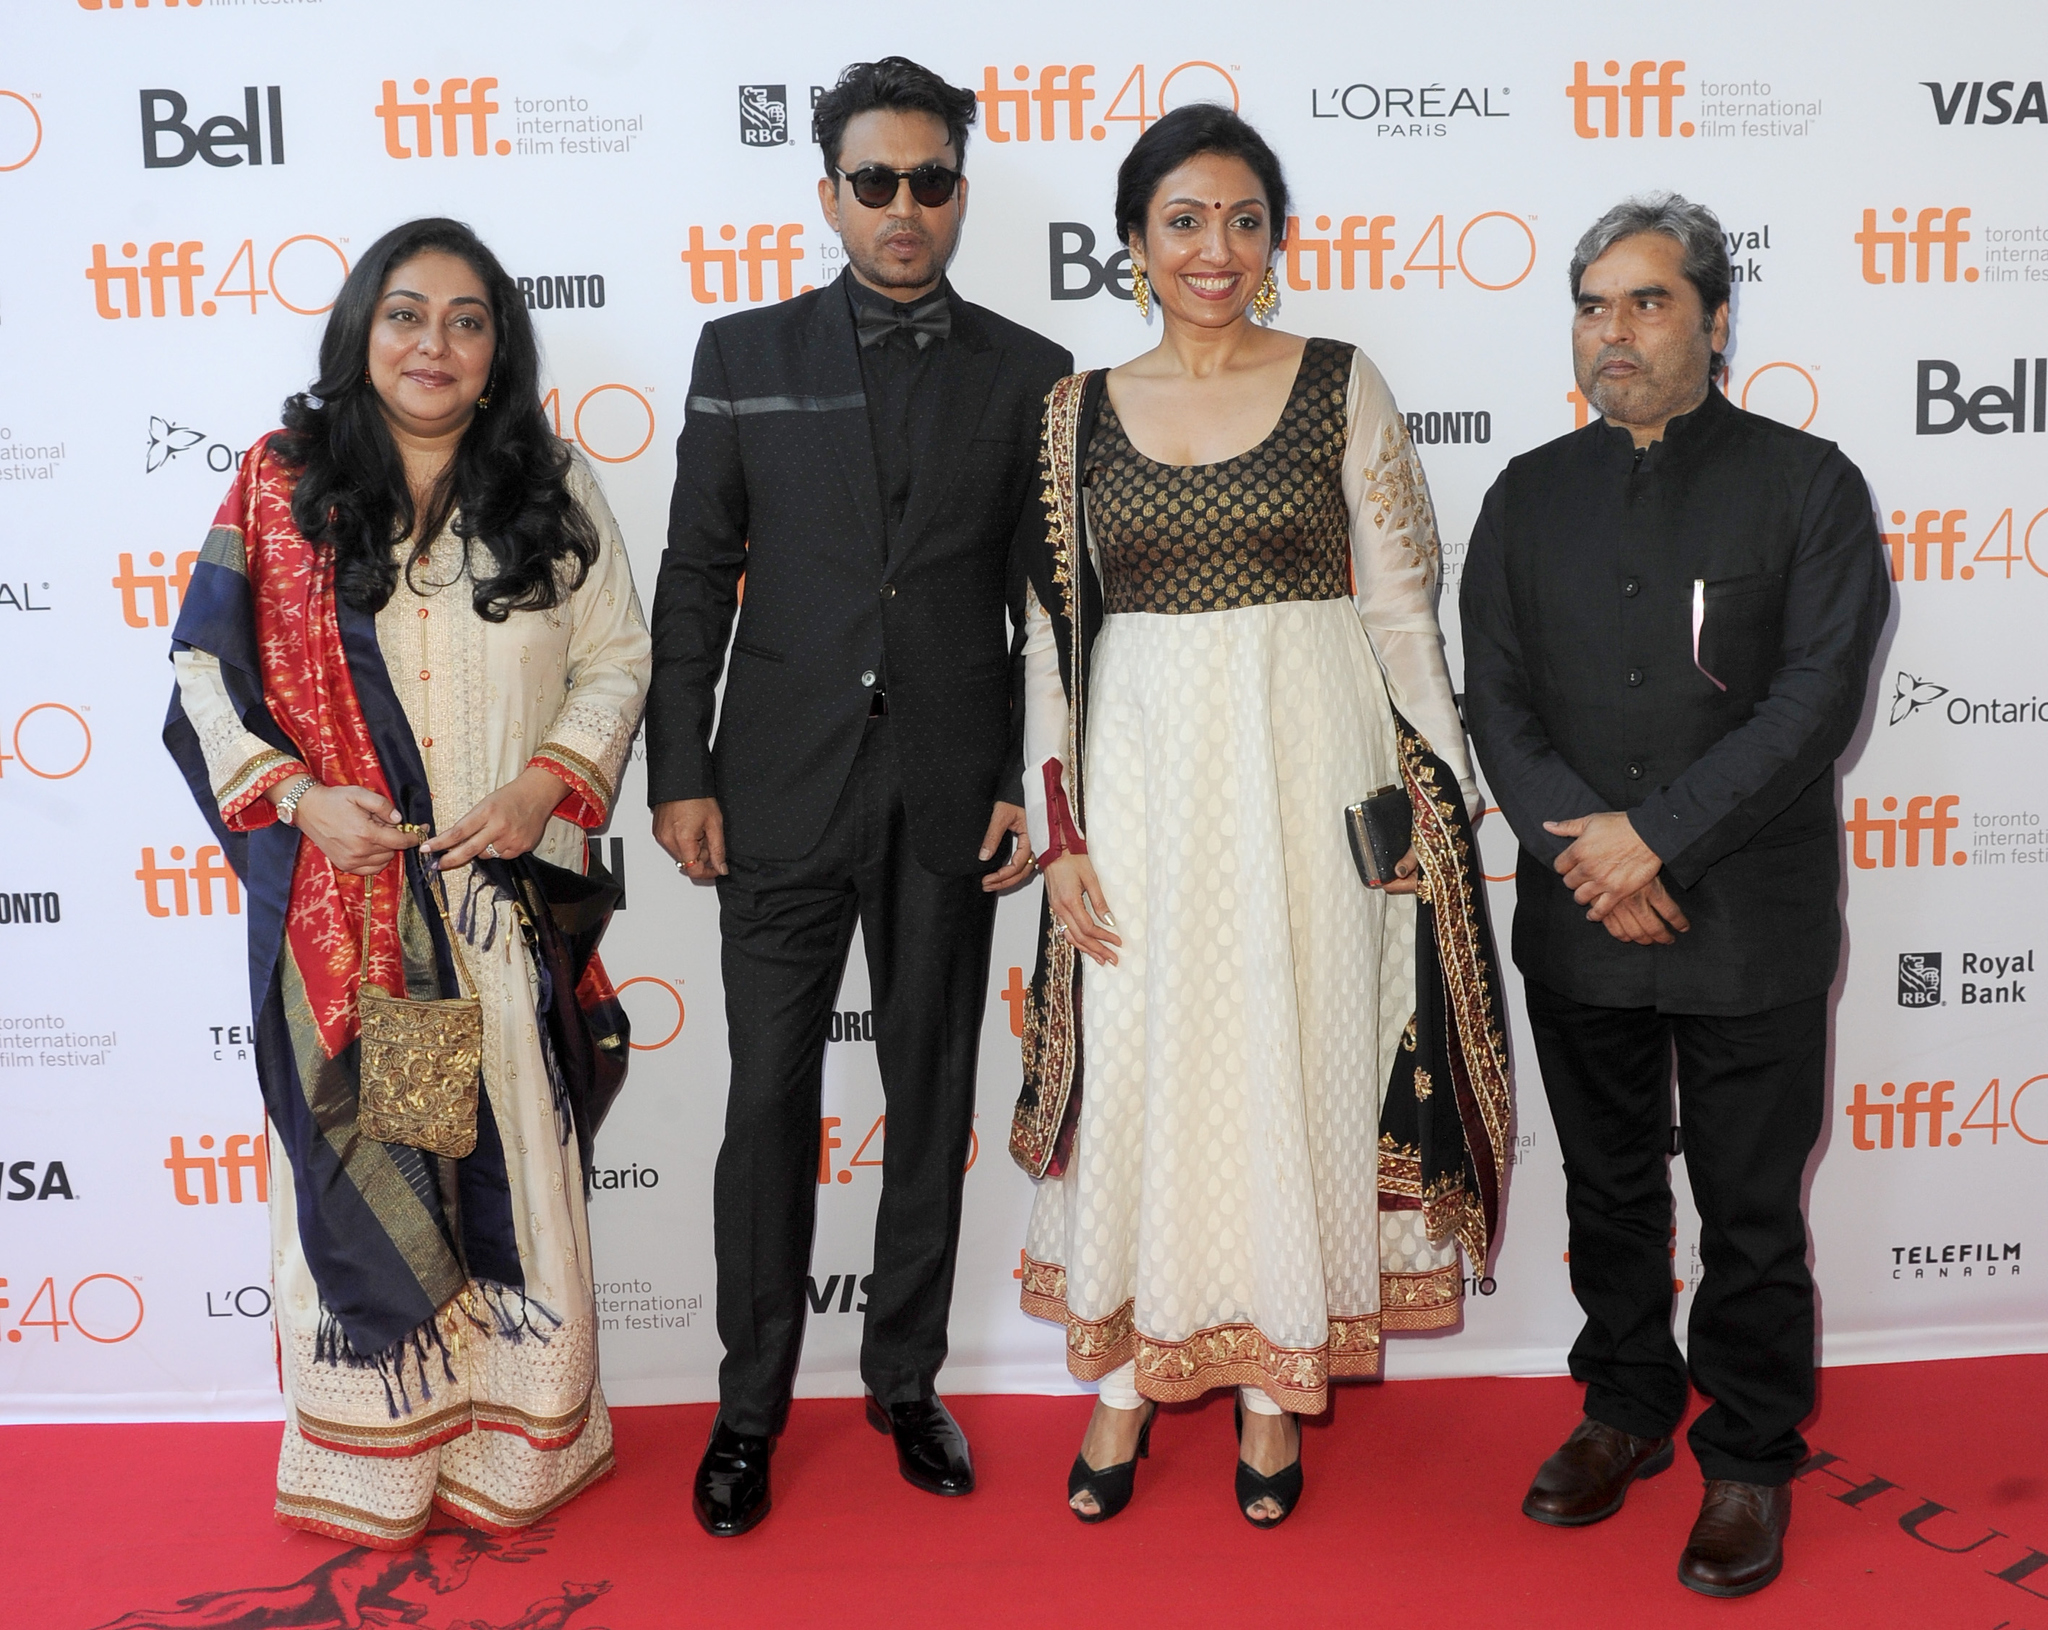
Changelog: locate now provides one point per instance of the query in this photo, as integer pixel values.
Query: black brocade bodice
(1266, 526)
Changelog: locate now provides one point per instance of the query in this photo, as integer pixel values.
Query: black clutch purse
(1382, 830)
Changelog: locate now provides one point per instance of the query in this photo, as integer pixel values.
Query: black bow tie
(931, 321)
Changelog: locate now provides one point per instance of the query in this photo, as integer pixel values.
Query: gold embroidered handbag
(420, 1059)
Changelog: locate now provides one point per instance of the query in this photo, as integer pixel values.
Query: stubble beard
(885, 272)
(1655, 395)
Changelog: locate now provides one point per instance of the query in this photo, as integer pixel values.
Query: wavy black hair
(505, 485)
(1185, 133)
(895, 83)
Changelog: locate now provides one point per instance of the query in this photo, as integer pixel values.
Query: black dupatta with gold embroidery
(1444, 1115)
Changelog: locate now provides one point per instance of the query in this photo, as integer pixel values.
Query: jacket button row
(1632, 588)
(1635, 676)
(888, 591)
(1635, 771)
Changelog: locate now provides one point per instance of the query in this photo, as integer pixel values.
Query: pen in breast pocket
(1699, 618)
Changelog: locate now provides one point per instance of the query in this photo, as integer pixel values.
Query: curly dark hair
(506, 485)
(1185, 133)
(894, 82)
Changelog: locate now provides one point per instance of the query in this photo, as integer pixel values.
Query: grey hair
(1697, 230)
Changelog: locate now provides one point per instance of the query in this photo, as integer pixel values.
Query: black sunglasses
(875, 184)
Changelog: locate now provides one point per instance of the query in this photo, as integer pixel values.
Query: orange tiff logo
(1056, 100)
(460, 100)
(209, 866)
(1587, 97)
(117, 289)
(1927, 817)
(157, 586)
(766, 246)
(1490, 258)
(1935, 228)
(1875, 1123)
(242, 1154)
(1930, 544)
(115, 5)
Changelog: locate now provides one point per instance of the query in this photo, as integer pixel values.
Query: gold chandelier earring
(1141, 293)
(1267, 300)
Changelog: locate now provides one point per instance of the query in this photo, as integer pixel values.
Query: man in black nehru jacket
(862, 454)
(1669, 618)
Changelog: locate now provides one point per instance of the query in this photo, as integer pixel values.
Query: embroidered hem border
(416, 1436)
(473, 1510)
(1239, 1355)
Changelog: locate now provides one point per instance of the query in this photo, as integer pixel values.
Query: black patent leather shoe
(931, 1450)
(731, 1492)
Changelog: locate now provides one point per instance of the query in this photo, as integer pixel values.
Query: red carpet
(1934, 1514)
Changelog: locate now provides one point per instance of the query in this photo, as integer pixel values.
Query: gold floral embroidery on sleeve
(1399, 493)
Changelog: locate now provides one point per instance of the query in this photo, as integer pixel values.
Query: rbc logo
(764, 115)
(1919, 979)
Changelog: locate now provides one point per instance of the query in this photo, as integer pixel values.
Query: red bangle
(1062, 836)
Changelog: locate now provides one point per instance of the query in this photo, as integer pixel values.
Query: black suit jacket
(1582, 693)
(775, 477)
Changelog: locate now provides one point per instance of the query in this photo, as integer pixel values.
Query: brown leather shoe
(1588, 1477)
(1738, 1543)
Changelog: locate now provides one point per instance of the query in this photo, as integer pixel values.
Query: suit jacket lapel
(967, 373)
(832, 368)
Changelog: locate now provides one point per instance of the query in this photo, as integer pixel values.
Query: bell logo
(461, 99)
(157, 586)
(243, 1154)
(1884, 253)
(1928, 818)
(163, 116)
(1663, 89)
(208, 868)
(775, 246)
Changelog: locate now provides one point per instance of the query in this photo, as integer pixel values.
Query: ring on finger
(491, 849)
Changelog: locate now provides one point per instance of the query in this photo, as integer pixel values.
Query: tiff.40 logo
(1647, 82)
(117, 289)
(1896, 1118)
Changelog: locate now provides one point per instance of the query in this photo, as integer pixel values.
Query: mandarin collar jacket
(1587, 690)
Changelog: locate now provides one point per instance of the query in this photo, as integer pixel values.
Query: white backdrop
(648, 167)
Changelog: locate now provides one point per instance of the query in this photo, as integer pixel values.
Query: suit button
(1632, 588)
(1635, 676)
(1635, 771)
(868, 678)
(888, 591)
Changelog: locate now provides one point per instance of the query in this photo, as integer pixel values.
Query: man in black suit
(862, 454)
(1669, 619)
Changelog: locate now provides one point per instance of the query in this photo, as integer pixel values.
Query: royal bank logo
(1919, 979)
(764, 115)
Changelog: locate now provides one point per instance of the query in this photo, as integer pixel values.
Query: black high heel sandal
(1111, 1485)
(1283, 1488)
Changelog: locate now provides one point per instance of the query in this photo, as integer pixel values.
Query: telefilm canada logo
(764, 115)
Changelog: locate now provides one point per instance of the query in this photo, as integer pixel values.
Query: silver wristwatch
(288, 805)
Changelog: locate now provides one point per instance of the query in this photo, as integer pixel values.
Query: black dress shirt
(1584, 692)
(903, 398)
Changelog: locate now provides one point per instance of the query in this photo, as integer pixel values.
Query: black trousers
(787, 926)
(1751, 1093)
